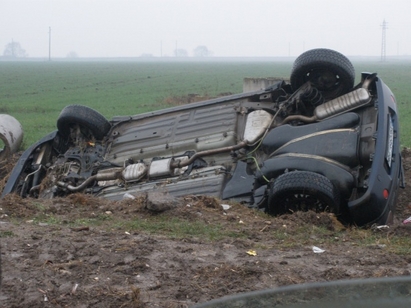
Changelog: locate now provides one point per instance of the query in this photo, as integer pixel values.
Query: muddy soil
(57, 264)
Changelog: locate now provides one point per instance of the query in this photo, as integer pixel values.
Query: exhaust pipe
(350, 101)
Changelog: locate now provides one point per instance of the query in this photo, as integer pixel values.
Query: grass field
(35, 92)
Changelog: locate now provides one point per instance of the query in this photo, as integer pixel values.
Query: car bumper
(386, 174)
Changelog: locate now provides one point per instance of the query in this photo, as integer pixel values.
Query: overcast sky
(130, 28)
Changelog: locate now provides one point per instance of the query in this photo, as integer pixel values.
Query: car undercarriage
(317, 143)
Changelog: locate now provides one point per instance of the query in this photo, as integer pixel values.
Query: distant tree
(14, 50)
(180, 53)
(72, 55)
(202, 51)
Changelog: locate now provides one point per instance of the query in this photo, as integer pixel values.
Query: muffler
(352, 100)
(346, 102)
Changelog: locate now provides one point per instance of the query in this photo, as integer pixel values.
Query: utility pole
(49, 43)
(383, 41)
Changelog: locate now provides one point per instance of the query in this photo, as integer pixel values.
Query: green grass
(173, 228)
(179, 228)
(285, 236)
(36, 92)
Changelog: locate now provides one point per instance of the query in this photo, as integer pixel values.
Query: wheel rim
(295, 201)
(323, 80)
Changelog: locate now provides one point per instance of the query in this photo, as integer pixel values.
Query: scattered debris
(380, 228)
(160, 202)
(128, 196)
(73, 291)
(318, 250)
(78, 229)
(252, 253)
(11, 134)
(225, 207)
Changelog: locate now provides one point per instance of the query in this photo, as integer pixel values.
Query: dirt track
(58, 265)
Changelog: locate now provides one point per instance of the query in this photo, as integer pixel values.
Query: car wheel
(87, 118)
(302, 191)
(329, 71)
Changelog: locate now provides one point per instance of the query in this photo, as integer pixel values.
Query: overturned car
(318, 142)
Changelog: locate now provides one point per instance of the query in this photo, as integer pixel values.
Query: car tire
(85, 117)
(302, 191)
(329, 71)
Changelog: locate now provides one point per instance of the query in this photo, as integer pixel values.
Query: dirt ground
(58, 265)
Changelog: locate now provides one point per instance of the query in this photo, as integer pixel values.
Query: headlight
(390, 141)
